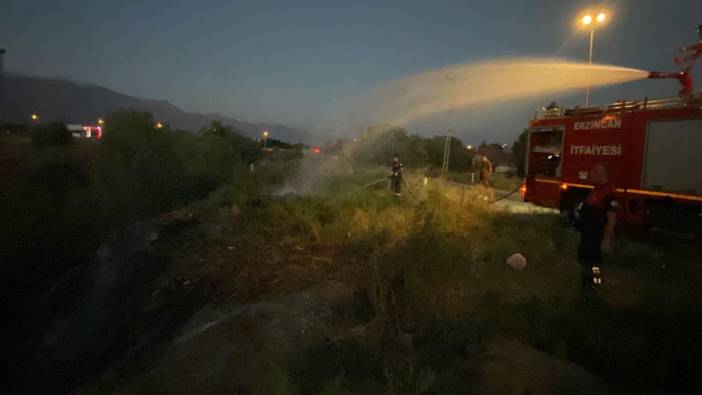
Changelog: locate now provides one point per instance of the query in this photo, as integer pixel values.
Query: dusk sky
(295, 62)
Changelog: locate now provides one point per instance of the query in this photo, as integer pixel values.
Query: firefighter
(485, 170)
(396, 176)
(690, 53)
(597, 218)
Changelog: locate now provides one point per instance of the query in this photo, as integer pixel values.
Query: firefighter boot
(596, 276)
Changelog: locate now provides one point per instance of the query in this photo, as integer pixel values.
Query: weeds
(439, 289)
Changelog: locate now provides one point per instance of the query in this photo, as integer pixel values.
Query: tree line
(379, 145)
(60, 200)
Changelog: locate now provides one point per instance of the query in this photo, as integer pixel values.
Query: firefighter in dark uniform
(598, 216)
(396, 176)
(485, 171)
(691, 52)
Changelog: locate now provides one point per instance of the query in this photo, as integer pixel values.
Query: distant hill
(61, 100)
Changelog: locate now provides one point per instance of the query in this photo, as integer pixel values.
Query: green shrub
(51, 135)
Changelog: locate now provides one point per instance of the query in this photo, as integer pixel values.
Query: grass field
(419, 298)
(296, 279)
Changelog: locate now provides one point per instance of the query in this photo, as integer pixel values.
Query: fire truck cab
(651, 148)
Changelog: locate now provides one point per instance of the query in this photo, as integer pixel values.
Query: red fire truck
(651, 148)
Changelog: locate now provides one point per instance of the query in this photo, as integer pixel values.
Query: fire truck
(85, 131)
(652, 149)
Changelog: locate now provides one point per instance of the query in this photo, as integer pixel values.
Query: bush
(52, 135)
(378, 148)
(148, 169)
(519, 153)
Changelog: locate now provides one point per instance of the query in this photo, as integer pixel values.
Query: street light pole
(2, 81)
(587, 91)
(589, 21)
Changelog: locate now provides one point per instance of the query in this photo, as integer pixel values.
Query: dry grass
(430, 267)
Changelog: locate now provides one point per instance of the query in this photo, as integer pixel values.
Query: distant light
(469, 147)
(265, 133)
(159, 125)
(564, 186)
(35, 117)
(101, 121)
(587, 19)
(601, 17)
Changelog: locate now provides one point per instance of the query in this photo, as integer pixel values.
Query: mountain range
(61, 100)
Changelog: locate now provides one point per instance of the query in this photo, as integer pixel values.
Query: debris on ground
(517, 262)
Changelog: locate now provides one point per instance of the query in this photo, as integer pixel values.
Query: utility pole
(590, 21)
(587, 91)
(2, 83)
(447, 154)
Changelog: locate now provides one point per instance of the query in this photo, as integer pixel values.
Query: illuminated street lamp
(101, 121)
(469, 147)
(35, 117)
(588, 21)
(159, 125)
(265, 138)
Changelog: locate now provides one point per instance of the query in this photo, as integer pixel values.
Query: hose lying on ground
(505, 196)
(367, 185)
(383, 179)
(409, 189)
(404, 182)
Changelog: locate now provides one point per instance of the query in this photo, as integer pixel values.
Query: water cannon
(683, 77)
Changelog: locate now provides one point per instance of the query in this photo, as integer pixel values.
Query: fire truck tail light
(564, 186)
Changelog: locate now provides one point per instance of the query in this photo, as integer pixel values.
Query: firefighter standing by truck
(598, 216)
(485, 170)
(396, 176)
(691, 52)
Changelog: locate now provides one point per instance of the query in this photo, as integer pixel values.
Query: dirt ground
(210, 299)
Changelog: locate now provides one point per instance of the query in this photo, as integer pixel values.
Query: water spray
(479, 84)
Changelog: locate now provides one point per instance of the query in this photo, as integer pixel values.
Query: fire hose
(505, 196)
(409, 189)
(369, 184)
(384, 179)
(404, 182)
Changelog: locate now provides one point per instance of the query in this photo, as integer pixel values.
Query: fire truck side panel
(613, 147)
(544, 193)
(650, 154)
(671, 160)
(545, 146)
